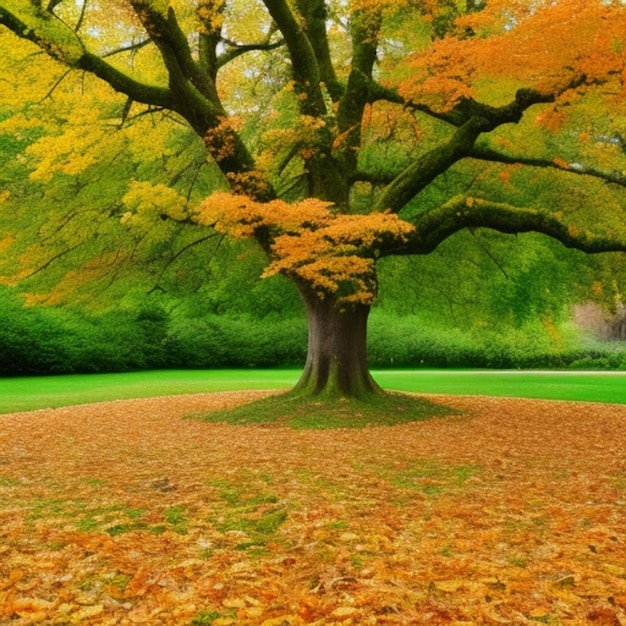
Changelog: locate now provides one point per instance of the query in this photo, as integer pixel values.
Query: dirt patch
(123, 513)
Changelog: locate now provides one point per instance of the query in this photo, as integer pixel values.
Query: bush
(397, 341)
(221, 341)
(45, 340)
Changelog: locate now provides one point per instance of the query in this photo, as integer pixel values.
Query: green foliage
(53, 340)
(414, 341)
(45, 340)
(221, 341)
(481, 278)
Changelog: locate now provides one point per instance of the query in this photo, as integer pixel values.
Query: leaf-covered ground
(123, 513)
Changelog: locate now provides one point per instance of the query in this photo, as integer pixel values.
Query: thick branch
(61, 43)
(462, 212)
(45, 30)
(365, 28)
(316, 15)
(468, 108)
(123, 83)
(472, 119)
(199, 105)
(171, 41)
(427, 167)
(306, 71)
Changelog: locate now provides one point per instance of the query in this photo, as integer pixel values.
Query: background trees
(450, 116)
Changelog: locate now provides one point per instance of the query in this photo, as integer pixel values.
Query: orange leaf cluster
(220, 140)
(542, 45)
(333, 253)
(124, 513)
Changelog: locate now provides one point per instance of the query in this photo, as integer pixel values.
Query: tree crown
(326, 123)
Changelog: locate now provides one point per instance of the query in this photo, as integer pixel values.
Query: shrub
(45, 340)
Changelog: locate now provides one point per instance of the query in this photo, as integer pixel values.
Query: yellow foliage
(62, 43)
(376, 6)
(71, 153)
(333, 253)
(146, 200)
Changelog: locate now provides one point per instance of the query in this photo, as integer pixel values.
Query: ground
(509, 511)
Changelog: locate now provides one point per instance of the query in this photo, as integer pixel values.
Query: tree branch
(487, 154)
(52, 259)
(427, 167)
(236, 50)
(123, 83)
(462, 212)
(184, 249)
(471, 118)
(61, 43)
(164, 30)
(315, 15)
(306, 71)
(56, 84)
(195, 98)
(81, 17)
(129, 48)
(365, 29)
(45, 30)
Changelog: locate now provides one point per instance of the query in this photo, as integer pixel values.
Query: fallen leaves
(123, 513)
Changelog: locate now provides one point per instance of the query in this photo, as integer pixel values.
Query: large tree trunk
(336, 362)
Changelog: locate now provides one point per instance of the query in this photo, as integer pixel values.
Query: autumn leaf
(470, 518)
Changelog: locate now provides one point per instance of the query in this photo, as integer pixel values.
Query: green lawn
(593, 386)
(25, 394)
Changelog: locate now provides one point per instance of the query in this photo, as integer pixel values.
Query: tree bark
(336, 362)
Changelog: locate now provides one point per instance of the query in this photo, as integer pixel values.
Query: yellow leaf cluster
(71, 153)
(146, 201)
(305, 137)
(333, 253)
(376, 6)
(210, 17)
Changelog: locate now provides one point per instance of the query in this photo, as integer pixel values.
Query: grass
(41, 392)
(582, 386)
(304, 413)
(30, 393)
(251, 512)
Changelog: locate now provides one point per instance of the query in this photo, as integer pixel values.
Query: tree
(348, 131)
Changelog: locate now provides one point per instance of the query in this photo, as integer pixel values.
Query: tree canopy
(333, 132)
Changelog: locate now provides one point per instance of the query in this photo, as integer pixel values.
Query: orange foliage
(220, 140)
(542, 45)
(333, 253)
(564, 165)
